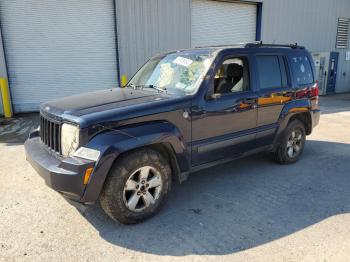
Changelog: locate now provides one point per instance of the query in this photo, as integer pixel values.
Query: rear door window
(302, 70)
(272, 71)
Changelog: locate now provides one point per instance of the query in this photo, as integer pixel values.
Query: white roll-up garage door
(222, 23)
(57, 48)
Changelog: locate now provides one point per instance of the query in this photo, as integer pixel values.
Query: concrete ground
(248, 210)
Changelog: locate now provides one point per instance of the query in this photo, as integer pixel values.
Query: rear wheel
(136, 187)
(292, 143)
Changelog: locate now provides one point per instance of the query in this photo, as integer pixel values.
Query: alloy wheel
(294, 143)
(142, 189)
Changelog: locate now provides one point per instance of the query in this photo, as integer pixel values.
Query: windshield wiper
(132, 86)
(156, 88)
(147, 86)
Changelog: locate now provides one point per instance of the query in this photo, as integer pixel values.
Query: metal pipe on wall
(5, 97)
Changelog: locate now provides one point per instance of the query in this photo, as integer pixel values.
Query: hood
(96, 107)
(87, 103)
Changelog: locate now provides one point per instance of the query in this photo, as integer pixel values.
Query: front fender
(113, 143)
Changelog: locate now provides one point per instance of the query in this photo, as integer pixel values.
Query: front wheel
(292, 143)
(136, 187)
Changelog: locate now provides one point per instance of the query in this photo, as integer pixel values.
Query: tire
(136, 187)
(291, 147)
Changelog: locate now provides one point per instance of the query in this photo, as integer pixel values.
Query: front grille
(50, 133)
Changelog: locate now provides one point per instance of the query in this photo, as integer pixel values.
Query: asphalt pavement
(251, 209)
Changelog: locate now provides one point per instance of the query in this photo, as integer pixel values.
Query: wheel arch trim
(112, 144)
(298, 109)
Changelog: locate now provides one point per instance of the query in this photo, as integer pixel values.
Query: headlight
(69, 139)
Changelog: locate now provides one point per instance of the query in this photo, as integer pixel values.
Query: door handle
(252, 102)
(249, 101)
(197, 112)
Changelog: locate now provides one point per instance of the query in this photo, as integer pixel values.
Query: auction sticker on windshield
(183, 61)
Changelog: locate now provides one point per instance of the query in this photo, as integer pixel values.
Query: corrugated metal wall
(57, 48)
(312, 23)
(210, 24)
(148, 27)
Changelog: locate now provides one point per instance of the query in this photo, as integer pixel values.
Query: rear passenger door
(274, 90)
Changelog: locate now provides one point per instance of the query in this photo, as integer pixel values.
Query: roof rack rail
(228, 45)
(223, 45)
(261, 44)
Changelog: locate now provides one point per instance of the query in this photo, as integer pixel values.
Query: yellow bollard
(124, 80)
(5, 94)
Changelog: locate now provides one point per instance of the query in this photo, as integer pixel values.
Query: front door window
(232, 76)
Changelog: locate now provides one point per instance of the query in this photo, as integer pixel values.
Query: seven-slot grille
(50, 133)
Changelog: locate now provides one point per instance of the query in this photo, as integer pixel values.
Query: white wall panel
(222, 23)
(148, 27)
(312, 23)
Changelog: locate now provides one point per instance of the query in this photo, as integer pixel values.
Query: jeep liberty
(182, 111)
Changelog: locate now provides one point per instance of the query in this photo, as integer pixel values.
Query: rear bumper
(315, 117)
(64, 175)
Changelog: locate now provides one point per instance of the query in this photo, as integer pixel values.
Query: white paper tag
(180, 85)
(183, 61)
(347, 57)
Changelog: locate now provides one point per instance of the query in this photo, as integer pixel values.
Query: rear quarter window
(302, 70)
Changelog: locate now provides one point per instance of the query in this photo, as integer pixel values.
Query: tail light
(302, 93)
(309, 92)
(314, 94)
(314, 90)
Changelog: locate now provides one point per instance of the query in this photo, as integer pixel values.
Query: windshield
(180, 72)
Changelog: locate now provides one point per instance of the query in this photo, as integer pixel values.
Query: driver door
(223, 124)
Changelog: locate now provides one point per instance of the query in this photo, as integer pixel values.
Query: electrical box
(321, 60)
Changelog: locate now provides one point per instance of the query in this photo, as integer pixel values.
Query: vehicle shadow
(240, 205)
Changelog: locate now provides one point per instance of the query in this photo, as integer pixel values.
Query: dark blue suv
(181, 112)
